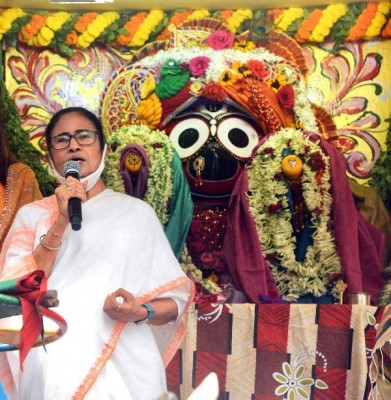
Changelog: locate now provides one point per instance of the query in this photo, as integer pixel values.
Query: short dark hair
(79, 110)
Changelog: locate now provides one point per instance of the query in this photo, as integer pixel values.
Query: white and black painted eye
(238, 136)
(188, 136)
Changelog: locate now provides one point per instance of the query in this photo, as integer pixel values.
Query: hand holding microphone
(72, 168)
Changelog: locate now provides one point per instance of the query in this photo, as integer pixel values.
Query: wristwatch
(150, 314)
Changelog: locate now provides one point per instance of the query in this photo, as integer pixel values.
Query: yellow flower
(240, 69)
(384, 7)
(287, 17)
(197, 14)
(331, 14)
(148, 25)
(8, 17)
(150, 111)
(377, 23)
(94, 30)
(82, 42)
(57, 20)
(228, 78)
(5, 24)
(148, 87)
(237, 18)
(243, 45)
(46, 33)
(96, 27)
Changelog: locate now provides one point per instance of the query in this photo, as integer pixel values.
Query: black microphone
(73, 168)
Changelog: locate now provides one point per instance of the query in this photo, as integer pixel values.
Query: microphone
(73, 168)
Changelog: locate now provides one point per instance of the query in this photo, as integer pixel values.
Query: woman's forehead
(72, 121)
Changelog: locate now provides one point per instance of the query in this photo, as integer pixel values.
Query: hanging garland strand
(63, 31)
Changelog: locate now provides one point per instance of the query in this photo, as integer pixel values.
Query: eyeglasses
(82, 136)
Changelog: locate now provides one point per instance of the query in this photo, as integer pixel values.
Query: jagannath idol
(258, 208)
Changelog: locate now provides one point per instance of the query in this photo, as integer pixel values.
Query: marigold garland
(237, 18)
(330, 15)
(152, 21)
(378, 20)
(286, 17)
(131, 27)
(386, 32)
(29, 31)
(364, 20)
(63, 31)
(308, 25)
(8, 17)
(175, 19)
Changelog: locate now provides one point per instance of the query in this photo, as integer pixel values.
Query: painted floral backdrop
(352, 83)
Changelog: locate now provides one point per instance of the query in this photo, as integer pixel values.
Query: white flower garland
(293, 278)
(194, 273)
(160, 152)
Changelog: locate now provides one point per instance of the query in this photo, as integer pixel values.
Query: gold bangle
(55, 234)
(46, 246)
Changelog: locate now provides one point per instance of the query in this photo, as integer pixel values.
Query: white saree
(121, 244)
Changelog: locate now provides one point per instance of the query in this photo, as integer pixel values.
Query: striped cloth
(262, 352)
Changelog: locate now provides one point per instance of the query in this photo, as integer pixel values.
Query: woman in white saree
(121, 289)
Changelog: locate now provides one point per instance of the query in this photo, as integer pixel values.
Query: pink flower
(199, 65)
(286, 96)
(257, 69)
(220, 40)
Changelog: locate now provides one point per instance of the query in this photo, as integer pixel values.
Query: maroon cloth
(135, 186)
(242, 249)
(172, 104)
(359, 244)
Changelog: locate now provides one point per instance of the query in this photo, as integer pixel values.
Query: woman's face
(88, 156)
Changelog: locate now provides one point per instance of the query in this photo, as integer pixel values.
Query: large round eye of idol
(189, 135)
(238, 136)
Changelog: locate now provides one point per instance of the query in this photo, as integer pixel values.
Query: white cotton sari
(121, 244)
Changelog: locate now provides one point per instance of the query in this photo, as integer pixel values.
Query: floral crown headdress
(203, 59)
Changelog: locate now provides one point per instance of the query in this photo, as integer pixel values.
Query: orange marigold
(175, 20)
(84, 20)
(31, 29)
(225, 14)
(308, 25)
(363, 21)
(132, 27)
(386, 31)
(274, 14)
(71, 39)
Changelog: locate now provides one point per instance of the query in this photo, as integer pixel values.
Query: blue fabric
(304, 237)
(328, 298)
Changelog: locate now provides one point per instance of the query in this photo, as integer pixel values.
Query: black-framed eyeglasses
(82, 136)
